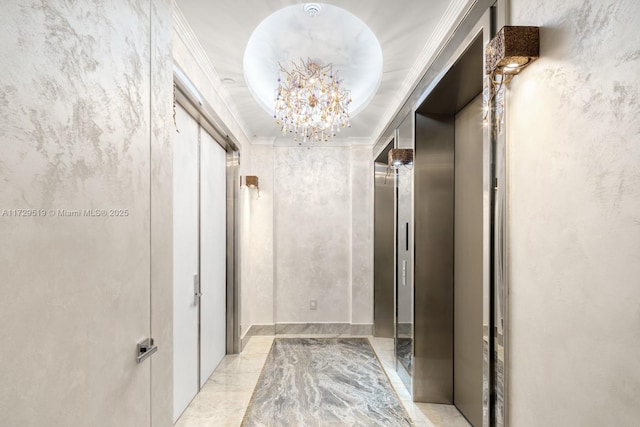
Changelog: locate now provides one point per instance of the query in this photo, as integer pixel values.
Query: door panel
(433, 276)
(468, 262)
(384, 310)
(185, 258)
(213, 228)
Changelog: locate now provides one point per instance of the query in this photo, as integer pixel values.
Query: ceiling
(403, 28)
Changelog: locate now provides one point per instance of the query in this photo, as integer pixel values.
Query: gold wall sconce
(508, 53)
(511, 50)
(250, 181)
(400, 157)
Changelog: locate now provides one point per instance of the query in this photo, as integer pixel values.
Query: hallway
(225, 397)
(173, 198)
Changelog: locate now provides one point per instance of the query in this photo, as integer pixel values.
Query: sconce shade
(399, 157)
(250, 181)
(512, 49)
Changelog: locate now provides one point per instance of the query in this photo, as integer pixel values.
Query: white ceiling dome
(320, 32)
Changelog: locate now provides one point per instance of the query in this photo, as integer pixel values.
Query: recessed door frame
(467, 34)
(204, 115)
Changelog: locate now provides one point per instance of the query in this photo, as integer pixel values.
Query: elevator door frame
(483, 28)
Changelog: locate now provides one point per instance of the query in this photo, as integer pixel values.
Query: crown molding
(452, 16)
(362, 141)
(336, 143)
(183, 30)
(263, 140)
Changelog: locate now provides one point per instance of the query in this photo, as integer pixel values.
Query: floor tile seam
(255, 387)
(395, 392)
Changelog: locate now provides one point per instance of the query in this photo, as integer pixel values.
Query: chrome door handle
(196, 289)
(145, 349)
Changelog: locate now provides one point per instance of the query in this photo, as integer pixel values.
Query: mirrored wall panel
(404, 256)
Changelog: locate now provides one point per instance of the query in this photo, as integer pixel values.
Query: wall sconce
(508, 53)
(511, 50)
(400, 157)
(250, 181)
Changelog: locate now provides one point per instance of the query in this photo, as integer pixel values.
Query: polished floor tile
(225, 397)
(324, 381)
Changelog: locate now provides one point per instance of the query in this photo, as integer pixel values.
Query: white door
(213, 253)
(185, 261)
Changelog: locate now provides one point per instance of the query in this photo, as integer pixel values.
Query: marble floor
(225, 397)
(314, 382)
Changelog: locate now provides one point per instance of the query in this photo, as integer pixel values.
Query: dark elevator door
(384, 263)
(468, 256)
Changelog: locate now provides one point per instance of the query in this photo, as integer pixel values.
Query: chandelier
(309, 102)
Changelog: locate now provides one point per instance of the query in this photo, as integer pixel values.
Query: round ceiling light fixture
(334, 36)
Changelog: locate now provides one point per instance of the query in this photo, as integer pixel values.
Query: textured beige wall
(361, 235)
(310, 235)
(574, 190)
(259, 282)
(84, 91)
(161, 158)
